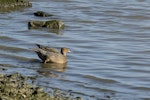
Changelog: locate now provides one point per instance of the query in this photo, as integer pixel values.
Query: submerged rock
(42, 14)
(52, 24)
(36, 24)
(55, 24)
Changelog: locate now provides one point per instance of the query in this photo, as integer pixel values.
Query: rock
(36, 24)
(52, 24)
(42, 14)
(14, 3)
(10, 5)
(55, 24)
(15, 87)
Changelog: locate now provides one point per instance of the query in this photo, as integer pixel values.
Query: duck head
(64, 51)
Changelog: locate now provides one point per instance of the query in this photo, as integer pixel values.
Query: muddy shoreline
(15, 87)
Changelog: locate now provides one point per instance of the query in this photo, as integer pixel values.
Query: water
(109, 40)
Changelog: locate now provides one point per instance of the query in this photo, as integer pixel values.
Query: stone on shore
(14, 87)
(14, 3)
(11, 5)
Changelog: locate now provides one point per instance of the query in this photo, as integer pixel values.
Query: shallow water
(109, 40)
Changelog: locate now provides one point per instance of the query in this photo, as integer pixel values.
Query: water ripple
(109, 41)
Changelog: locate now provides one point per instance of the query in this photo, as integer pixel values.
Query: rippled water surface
(109, 40)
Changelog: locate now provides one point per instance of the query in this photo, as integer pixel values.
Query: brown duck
(51, 55)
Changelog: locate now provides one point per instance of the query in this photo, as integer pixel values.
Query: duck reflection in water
(55, 66)
(51, 69)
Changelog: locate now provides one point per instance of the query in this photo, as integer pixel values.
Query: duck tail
(38, 45)
(35, 49)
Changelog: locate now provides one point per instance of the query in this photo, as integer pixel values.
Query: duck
(51, 55)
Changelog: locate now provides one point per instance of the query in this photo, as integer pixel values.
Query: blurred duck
(51, 55)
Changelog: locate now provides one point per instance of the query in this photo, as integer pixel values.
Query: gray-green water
(109, 39)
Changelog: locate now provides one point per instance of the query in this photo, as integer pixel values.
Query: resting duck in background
(51, 55)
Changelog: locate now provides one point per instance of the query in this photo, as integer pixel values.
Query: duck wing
(47, 56)
(49, 49)
(41, 53)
